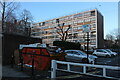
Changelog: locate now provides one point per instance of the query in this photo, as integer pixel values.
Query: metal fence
(69, 64)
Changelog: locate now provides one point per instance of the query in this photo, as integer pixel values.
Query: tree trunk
(3, 16)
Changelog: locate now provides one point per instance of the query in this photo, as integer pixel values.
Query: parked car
(102, 52)
(112, 53)
(79, 56)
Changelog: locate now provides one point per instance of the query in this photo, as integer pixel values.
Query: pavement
(7, 71)
(15, 73)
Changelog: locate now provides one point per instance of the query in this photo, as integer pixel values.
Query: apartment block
(47, 30)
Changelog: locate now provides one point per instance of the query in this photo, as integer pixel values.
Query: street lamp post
(86, 29)
(87, 45)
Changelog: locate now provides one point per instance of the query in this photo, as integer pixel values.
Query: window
(43, 23)
(75, 28)
(54, 21)
(70, 36)
(46, 32)
(93, 34)
(39, 24)
(100, 51)
(77, 15)
(75, 35)
(79, 27)
(93, 40)
(75, 22)
(57, 20)
(92, 19)
(69, 23)
(86, 13)
(46, 22)
(74, 52)
(92, 13)
(87, 20)
(50, 21)
(60, 19)
(70, 17)
(69, 52)
(94, 25)
(80, 21)
(66, 18)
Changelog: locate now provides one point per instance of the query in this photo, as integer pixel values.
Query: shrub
(67, 45)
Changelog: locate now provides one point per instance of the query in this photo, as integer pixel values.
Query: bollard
(93, 62)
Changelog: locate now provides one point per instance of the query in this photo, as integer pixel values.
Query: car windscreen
(108, 50)
(81, 52)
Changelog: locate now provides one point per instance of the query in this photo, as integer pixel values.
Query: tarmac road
(113, 61)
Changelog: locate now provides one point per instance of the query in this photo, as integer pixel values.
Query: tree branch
(10, 11)
(1, 3)
(68, 28)
(66, 35)
(61, 28)
(66, 32)
(60, 34)
(8, 4)
(1, 12)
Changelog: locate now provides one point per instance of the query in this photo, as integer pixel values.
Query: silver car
(112, 53)
(102, 52)
(79, 56)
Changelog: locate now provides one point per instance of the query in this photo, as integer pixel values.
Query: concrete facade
(93, 18)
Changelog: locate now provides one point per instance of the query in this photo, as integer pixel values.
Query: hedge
(67, 45)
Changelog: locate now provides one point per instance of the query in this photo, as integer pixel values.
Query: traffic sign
(86, 28)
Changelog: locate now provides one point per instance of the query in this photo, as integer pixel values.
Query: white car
(79, 56)
(102, 52)
(112, 53)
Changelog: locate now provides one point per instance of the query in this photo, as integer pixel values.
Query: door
(69, 56)
(76, 56)
(100, 53)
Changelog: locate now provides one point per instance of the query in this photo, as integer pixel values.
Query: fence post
(93, 62)
(68, 67)
(53, 69)
(104, 72)
(84, 69)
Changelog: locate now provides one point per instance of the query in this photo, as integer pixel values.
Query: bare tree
(26, 16)
(113, 38)
(62, 32)
(110, 40)
(109, 37)
(11, 18)
(7, 8)
(114, 33)
(26, 19)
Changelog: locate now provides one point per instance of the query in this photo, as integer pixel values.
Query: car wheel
(84, 60)
(107, 56)
(94, 54)
(65, 59)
